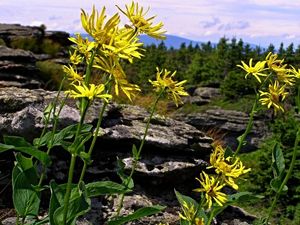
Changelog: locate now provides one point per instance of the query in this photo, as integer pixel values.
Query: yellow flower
(228, 168)
(83, 46)
(283, 75)
(274, 96)
(121, 83)
(91, 92)
(72, 74)
(256, 70)
(124, 44)
(212, 188)
(75, 58)
(273, 62)
(173, 88)
(95, 25)
(296, 72)
(137, 14)
(189, 214)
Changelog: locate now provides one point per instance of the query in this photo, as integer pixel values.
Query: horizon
(255, 22)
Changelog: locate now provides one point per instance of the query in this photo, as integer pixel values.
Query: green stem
(85, 162)
(248, 128)
(53, 108)
(135, 159)
(199, 207)
(52, 137)
(287, 176)
(72, 166)
(89, 68)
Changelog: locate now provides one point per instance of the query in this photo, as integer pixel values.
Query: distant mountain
(171, 41)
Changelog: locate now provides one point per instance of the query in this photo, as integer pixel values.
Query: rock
(60, 37)
(17, 68)
(228, 125)
(234, 215)
(202, 95)
(9, 32)
(123, 125)
(207, 92)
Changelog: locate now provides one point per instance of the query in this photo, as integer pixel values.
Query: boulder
(202, 95)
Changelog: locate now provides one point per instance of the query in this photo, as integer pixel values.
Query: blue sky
(255, 21)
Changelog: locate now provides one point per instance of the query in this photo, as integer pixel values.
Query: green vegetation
(284, 131)
(52, 73)
(2, 42)
(207, 65)
(35, 45)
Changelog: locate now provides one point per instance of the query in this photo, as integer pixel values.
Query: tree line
(207, 64)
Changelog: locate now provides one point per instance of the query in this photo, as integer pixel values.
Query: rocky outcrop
(227, 125)
(170, 146)
(17, 68)
(11, 32)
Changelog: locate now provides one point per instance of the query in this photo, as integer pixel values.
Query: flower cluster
(110, 43)
(189, 213)
(166, 83)
(277, 77)
(227, 169)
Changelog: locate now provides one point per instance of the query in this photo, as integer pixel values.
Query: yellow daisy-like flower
(228, 168)
(284, 75)
(165, 82)
(256, 70)
(96, 26)
(121, 83)
(212, 188)
(296, 72)
(73, 76)
(273, 62)
(137, 15)
(75, 58)
(189, 214)
(274, 96)
(83, 45)
(91, 92)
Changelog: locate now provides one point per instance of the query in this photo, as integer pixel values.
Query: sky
(259, 22)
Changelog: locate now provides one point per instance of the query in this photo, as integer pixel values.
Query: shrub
(235, 85)
(52, 73)
(50, 47)
(26, 43)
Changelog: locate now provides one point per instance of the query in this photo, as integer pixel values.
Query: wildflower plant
(110, 43)
(275, 81)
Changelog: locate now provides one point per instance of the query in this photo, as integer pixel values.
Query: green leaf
(191, 202)
(140, 213)
(135, 152)
(276, 183)
(47, 111)
(16, 141)
(104, 188)
(242, 197)
(126, 180)
(24, 163)
(4, 147)
(183, 198)
(20, 144)
(25, 198)
(278, 164)
(78, 206)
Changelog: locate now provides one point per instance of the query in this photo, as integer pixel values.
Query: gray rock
(229, 124)
(203, 95)
(17, 68)
(8, 32)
